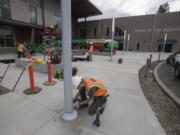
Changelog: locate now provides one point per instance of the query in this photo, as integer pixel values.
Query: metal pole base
(68, 117)
(46, 83)
(29, 91)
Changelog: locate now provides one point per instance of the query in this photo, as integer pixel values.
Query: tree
(164, 8)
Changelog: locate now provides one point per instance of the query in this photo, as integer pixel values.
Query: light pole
(124, 41)
(69, 114)
(152, 36)
(99, 28)
(165, 38)
(128, 42)
(112, 41)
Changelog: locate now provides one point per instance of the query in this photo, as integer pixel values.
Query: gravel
(167, 112)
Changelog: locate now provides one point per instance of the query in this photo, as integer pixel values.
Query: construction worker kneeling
(89, 89)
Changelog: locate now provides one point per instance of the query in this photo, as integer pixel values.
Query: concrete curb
(163, 86)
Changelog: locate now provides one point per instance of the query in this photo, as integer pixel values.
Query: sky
(121, 8)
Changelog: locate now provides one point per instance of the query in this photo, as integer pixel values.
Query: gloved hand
(75, 100)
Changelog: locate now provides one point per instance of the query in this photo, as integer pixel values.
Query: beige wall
(140, 29)
(49, 17)
(39, 16)
(20, 10)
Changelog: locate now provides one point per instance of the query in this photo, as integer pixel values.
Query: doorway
(137, 46)
(168, 47)
(121, 45)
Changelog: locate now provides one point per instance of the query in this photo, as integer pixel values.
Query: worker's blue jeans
(97, 101)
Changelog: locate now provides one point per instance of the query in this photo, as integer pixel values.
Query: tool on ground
(120, 60)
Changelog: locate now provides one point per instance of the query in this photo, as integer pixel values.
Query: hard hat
(76, 81)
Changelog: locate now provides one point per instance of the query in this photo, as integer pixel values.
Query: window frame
(33, 20)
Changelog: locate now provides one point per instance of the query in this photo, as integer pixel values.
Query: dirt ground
(167, 112)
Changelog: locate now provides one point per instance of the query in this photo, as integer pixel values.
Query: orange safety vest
(21, 48)
(92, 82)
(91, 48)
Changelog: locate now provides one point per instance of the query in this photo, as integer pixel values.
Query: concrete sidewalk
(127, 111)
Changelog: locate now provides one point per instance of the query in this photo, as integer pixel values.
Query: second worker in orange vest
(89, 89)
(21, 50)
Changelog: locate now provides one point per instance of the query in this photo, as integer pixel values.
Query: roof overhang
(84, 8)
(16, 23)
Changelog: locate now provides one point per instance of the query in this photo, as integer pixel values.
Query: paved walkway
(127, 111)
(166, 75)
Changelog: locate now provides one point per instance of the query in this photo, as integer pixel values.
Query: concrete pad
(11, 77)
(127, 111)
(50, 96)
(58, 127)
(7, 56)
(24, 117)
(2, 68)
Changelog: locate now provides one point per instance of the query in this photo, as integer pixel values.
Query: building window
(119, 31)
(57, 21)
(82, 32)
(33, 15)
(116, 31)
(94, 32)
(5, 10)
(138, 46)
(6, 38)
(107, 32)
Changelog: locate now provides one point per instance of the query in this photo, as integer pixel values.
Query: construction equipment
(107, 45)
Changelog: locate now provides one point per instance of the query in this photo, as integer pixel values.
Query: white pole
(165, 38)
(69, 114)
(124, 41)
(152, 36)
(128, 42)
(112, 41)
(99, 28)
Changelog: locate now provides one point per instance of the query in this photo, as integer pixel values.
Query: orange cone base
(30, 92)
(46, 83)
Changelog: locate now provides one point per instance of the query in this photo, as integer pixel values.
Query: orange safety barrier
(49, 67)
(31, 76)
